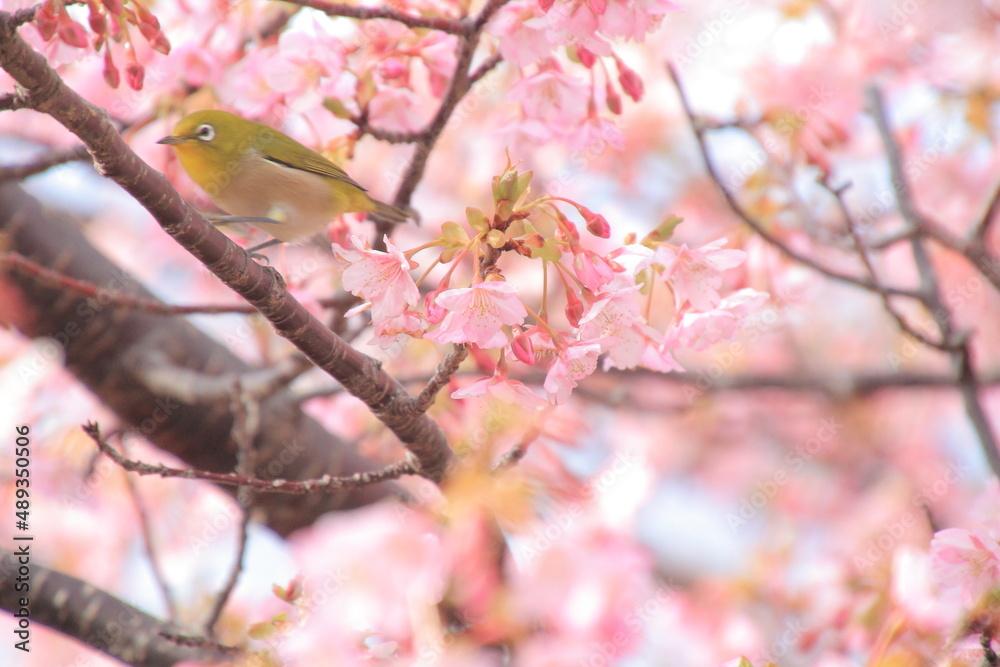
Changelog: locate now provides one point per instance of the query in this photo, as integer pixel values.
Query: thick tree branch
(112, 350)
(96, 618)
(361, 375)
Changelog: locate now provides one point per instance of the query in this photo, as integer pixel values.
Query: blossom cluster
(602, 316)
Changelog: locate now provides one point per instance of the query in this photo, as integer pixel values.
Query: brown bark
(104, 346)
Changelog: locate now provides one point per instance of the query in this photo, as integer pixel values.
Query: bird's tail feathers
(393, 214)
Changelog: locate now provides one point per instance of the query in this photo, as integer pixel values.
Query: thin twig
(864, 254)
(961, 354)
(453, 26)
(46, 162)
(992, 212)
(485, 67)
(246, 422)
(147, 539)
(441, 377)
(737, 208)
(513, 456)
(324, 484)
(969, 386)
(13, 102)
(457, 88)
(115, 299)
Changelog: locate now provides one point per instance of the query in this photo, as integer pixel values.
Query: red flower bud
(629, 80)
(134, 74)
(574, 308)
(72, 32)
(597, 224)
(98, 23)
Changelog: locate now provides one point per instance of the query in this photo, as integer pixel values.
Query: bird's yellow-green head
(212, 143)
(250, 169)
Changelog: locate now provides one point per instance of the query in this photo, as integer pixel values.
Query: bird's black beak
(172, 140)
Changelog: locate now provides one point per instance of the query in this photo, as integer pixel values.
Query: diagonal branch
(98, 618)
(700, 131)
(359, 374)
(961, 352)
(46, 162)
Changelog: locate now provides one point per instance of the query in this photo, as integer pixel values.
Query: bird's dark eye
(206, 132)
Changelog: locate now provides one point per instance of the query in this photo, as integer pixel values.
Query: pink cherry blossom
(700, 330)
(478, 314)
(967, 560)
(305, 66)
(523, 31)
(552, 97)
(503, 389)
(381, 278)
(395, 109)
(696, 275)
(573, 363)
(390, 331)
(615, 317)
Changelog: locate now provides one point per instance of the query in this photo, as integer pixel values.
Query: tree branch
(453, 26)
(110, 349)
(54, 159)
(324, 484)
(361, 375)
(97, 618)
(700, 130)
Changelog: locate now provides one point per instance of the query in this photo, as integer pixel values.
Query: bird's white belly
(303, 206)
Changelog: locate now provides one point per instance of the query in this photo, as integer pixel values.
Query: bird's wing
(311, 161)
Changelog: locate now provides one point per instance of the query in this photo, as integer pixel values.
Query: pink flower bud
(587, 59)
(432, 310)
(574, 308)
(157, 40)
(523, 349)
(46, 22)
(546, 5)
(111, 74)
(598, 6)
(134, 74)
(613, 98)
(98, 24)
(72, 32)
(597, 224)
(114, 6)
(629, 80)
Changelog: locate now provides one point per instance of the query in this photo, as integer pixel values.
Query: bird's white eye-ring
(206, 132)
